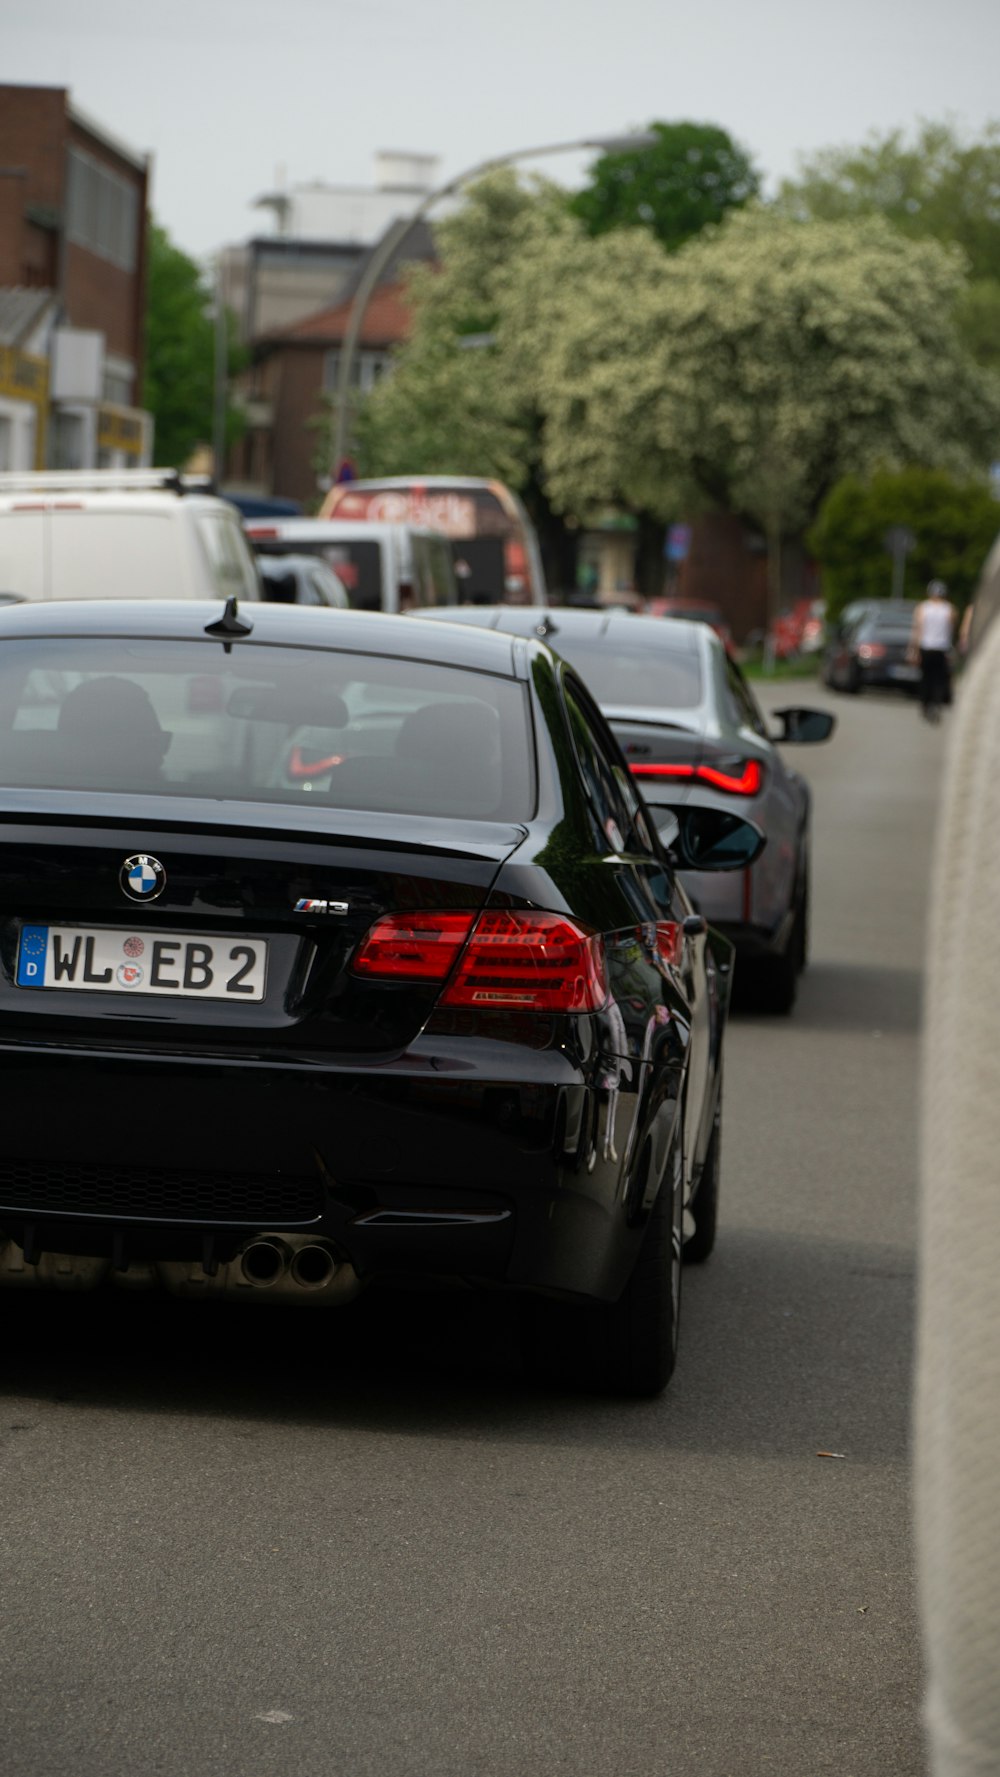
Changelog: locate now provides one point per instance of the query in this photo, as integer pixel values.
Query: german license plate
(188, 966)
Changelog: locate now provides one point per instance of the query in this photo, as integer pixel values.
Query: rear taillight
(745, 778)
(537, 960)
(412, 946)
(540, 962)
(871, 651)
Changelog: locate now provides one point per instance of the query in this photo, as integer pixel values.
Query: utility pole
(220, 381)
(899, 541)
(773, 586)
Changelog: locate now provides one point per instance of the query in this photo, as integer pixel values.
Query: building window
(102, 211)
(366, 371)
(117, 382)
(68, 441)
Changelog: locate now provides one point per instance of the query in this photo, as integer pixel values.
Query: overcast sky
(224, 92)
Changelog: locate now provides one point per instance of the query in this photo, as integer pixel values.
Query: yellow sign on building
(119, 428)
(25, 377)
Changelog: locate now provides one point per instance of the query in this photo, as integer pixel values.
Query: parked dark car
(871, 648)
(691, 728)
(340, 950)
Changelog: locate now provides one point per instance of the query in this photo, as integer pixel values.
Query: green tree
(453, 403)
(180, 353)
(747, 372)
(935, 187)
(978, 317)
(692, 176)
(953, 522)
(752, 369)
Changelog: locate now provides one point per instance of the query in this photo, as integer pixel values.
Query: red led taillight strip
(747, 784)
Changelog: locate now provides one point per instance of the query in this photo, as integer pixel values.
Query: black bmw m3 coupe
(334, 948)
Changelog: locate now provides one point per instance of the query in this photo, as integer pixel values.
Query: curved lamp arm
(398, 233)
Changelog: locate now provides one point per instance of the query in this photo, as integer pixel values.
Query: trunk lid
(657, 743)
(304, 883)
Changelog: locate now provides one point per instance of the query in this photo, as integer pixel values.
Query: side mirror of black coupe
(803, 727)
(708, 838)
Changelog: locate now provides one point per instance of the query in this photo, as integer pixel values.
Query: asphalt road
(260, 1543)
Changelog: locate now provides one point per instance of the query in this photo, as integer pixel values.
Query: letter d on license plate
(184, 965)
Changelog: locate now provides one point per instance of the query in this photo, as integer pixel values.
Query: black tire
(770, 984)
(635, 1339)
(705, 1206)
(628, 1347)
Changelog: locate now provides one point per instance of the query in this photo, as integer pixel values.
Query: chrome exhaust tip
(313, 1266)
(264, 1262)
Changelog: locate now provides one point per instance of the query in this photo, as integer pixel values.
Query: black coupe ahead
(335, 948)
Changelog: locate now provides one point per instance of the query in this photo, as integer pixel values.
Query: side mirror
(708, 838)
(803, 727)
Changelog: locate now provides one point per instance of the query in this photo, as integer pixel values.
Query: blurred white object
(958, 1370)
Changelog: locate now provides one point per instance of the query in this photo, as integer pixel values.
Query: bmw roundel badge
(142, 878)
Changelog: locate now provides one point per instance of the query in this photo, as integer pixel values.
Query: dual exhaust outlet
(309, 1265)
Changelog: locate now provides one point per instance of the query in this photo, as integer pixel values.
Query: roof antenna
(546, 628)
(230, 623)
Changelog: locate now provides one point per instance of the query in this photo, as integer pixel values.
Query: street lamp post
(220, 381)
(403, 227)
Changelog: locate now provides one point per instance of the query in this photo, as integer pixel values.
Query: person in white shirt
(931, 640)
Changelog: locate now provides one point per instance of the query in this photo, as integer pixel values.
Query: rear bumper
(465, 1163)
(894, 676)
(733, 902)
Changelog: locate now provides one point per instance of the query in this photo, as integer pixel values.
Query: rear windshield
(887, 629)
(630, 675)
(893, 620)
(264, 724)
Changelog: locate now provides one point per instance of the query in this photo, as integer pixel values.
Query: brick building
(286, 391)
(73, 205)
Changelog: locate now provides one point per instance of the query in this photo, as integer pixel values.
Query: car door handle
(694, 925)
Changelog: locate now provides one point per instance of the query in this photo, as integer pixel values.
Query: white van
(385, 567)
(119, 533)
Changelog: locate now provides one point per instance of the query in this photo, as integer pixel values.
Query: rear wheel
(626, 1347)
(770, 983)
